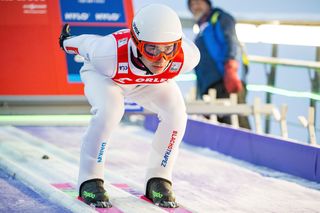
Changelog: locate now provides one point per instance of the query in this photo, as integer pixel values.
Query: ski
(125, 187)
(70, 189)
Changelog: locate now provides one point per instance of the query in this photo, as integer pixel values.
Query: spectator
(219, 48)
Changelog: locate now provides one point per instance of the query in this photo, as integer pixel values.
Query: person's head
(157, 33)
(199, 7)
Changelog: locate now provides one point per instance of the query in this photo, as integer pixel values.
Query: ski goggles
(154, 51)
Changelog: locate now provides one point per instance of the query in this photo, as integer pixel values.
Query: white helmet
(156, 24)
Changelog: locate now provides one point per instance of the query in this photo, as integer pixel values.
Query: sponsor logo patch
(175, 67)
(123, 68)
(140, 80)
(122, 42)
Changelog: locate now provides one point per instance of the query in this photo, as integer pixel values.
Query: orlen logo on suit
(144, 80)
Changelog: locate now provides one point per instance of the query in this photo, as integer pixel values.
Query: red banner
(32, 62)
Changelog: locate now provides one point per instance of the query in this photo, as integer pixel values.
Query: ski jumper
(109, 76)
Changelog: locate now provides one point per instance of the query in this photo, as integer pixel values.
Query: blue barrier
(283, 155)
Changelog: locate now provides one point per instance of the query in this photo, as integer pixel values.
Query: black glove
(65, 33)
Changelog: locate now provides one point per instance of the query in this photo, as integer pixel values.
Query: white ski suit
(104, 60)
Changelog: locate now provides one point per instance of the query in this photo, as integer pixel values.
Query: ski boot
(159, 191)
(93, 193)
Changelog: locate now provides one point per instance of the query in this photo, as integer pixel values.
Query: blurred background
(33, 64)
(295, 86)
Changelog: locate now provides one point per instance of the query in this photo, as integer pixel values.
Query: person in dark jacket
(220, 49)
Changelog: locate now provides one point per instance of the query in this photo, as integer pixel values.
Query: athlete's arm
(98, 51)
(83, 45)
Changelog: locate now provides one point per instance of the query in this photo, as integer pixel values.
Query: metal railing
(315, 86)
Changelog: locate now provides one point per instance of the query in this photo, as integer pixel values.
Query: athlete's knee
(104, 116)
(175, 115)
(182, 117)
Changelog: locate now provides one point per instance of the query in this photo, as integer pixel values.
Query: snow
(16, 197)
(204, 180)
